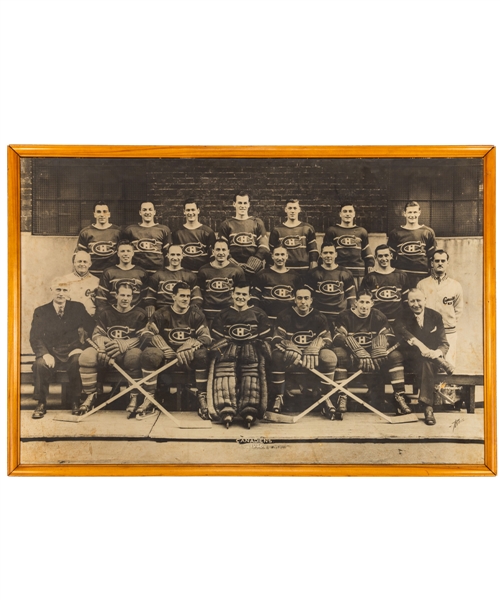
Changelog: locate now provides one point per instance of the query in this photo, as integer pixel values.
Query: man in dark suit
(58, 333)
(424, 342)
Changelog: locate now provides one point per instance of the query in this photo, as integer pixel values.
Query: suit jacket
(432, 334)
(51, 334)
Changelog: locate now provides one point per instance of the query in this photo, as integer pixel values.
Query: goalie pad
(230, 353)
(248, 354)
(224, 386)
(250, 386)
(158, 342)
(185, 353)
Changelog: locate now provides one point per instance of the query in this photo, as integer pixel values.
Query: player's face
(60, 293)
(347, 214)
(439, 264)
(292, 210)
(182, 299)
(329, 254)
(242, 205)
(147, 212)
(364, 305)
(102, 215)
(303, 301)
(280, 256)
(191, 212)
(125, 253)
(416, 302)
(124, 297)
(412, 214)
(82, 264)
(241, 296)
(221, 252)
(174, 256)
(383, 257)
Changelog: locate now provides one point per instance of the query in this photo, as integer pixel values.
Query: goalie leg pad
(250, 401)
(224, 396)
(248, 354)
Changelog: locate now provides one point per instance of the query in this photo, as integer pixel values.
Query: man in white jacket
(445, 296)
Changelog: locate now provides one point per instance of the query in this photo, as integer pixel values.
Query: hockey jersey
(115, 325)
(161, 284)
(176, 328)
(101, 245)
(363, 329)
(353, 250)
(113, 277)
(301, 330)
(245, 238)
(150, 245)
(242, 326)
(196, 244)
(412, 249)
(389, 291)
(300, 243)
(273, 292)
(331, 289)
(217, 287)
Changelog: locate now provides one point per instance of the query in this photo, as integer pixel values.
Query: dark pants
(43, 375)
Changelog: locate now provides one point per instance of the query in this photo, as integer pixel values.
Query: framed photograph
(299, 311)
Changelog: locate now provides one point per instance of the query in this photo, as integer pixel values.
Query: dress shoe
(40, 411)
(429, 417)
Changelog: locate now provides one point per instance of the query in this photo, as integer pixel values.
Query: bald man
(82, 284)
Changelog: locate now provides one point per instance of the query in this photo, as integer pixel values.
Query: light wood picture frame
(370, 174)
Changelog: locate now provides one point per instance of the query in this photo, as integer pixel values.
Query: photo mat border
(16, 152)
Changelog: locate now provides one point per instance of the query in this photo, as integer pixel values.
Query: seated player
(301, 340)
(241, 334)
(124, 272)
(388, 286)
(116, 336)
(423, 335)
(273, 288)
(217, 280)
(57, 336)
(361, 341)
(298, 238)
(161, 284)
(179, 331)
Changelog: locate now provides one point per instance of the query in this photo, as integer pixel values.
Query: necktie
(60, 312)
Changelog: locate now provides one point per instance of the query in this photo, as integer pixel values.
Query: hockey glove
(185, 353)
(293, 354)
(310, 357)
(158, 342)
(365, 360)
(253, 265)
(150, 311)
(379, 350)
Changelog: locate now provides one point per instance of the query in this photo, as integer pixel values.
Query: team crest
(167, 287)
(179, 336)
(448, 301)
(331, 288)
(120, 332)
(222, 284)
(102, 248)
(303, 338)
(290, 242)
(348, 241)
(241, 331)
(194, 249)
(412, 248)
(281, 292)
(147, 246)
(364, 339)
(243, 239)
(387, 293)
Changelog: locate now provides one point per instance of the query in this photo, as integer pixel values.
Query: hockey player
(242, 336)
(116, 335)
(363, 339)
(445, 296)
(217, 280)
(424, 342)
(99, 240)
(161, 284)
(388, 286)
(196, 239)
(273, 289)
(178, 331)
(332, 286)
(246, 236)
(124, 271)
(351, 244)
(412, 245)
(82, 284)
(149, 239)
(299, 239)
(301, 340)
(57, 336)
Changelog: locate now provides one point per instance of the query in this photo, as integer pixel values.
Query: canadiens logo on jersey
(291, 242)
(364, 339)
(412, 248)
(147, 245)
(331, 288)
(387, 293)
(303, 338)
(179, 335)
(102, 248)
(195, 249)
(349, 241)
(222, 284)
(167, 286)
(242, 331)
(282, 292)
(120, 332)
(448, 301)
(243, 239)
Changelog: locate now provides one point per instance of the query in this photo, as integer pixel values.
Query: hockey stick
(412, 418)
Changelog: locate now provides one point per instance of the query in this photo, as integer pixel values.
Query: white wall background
(294, 72)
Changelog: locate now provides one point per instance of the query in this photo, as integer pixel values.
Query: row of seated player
(233, 362)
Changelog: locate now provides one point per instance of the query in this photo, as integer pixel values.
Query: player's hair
(347, 203)
(126, 285)
(279, 246)
(123, 241)
(242, 283)
(301, 287)
(190, 201)
(180, 285)
(382, 247)
(220, 240)
(363, 292)
(440, 251)
(292, 201)
(100, 203)
(173, 246)
(411, 203)
(327, 245)
(147, 202)
(242, 193)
